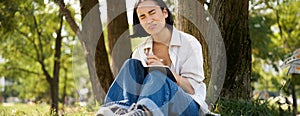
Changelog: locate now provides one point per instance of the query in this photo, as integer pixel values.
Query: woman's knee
(156, 75)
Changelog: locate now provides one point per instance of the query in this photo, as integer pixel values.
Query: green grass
(21, 109)
(24, 109)
(225, 108)
(250, 108)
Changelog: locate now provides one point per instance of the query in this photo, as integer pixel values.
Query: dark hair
(138, 30)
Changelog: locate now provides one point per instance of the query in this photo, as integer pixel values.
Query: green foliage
(28, 33)
(274, 31)
(249, 108)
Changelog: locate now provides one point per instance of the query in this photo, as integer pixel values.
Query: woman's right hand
(154, 60)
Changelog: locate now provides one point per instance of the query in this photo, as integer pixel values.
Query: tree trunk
(54, 98)
(55, 80)
(93, 43)
(52, 81)
(232, 18)
(294, 94)
(53, 91)
(188, 7)
(192, 18)
(64, 94)
(119, 43)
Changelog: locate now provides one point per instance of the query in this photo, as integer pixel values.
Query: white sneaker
(138, 110)
(111, 109)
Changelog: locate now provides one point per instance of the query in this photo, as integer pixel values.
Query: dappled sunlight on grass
(18, 109)
(23, 109)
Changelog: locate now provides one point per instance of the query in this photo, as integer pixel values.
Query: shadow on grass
(257, 107)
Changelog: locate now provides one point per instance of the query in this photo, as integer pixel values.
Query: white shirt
(187, 61)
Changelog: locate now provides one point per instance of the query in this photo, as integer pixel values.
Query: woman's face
(151, 17)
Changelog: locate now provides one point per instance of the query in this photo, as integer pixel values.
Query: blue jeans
(154, 90)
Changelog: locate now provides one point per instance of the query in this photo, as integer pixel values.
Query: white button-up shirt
(187, 61)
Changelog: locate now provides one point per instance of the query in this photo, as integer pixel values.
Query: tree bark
(96, 55)
(64, 94)
(294, 94)
(232, 19)
(54, 87)
(193, 18)
(92, 41)
(67, 13)
(54, 97)
(119, 42)
(52, 81)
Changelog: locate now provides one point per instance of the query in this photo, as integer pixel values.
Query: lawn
(231, 107)
(18, 109)
(22, 109)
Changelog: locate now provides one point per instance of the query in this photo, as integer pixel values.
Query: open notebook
(164, 69)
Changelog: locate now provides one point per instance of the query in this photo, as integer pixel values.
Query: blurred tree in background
(35, 45)
(275, 34)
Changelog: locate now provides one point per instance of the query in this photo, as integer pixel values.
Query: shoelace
(136, 110)
(132, 107)
(116, 102)
(116, 107)
(121, 111)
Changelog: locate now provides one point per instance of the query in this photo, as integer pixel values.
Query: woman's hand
(181, 81)
(154, 60)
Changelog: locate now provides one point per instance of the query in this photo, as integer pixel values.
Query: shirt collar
(148, 42)
(175, 39)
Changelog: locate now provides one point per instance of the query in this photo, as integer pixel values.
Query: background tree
(92, 41)
(191, 17)
(96, 58)
(232, 19)
(118, 32)
(270, 43)
(274, 30)
(29, 62)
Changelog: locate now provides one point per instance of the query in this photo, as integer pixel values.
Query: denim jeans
(154, 90)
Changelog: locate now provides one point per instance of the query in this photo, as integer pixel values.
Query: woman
(137, 91)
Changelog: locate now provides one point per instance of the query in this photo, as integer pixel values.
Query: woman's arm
(184, 83)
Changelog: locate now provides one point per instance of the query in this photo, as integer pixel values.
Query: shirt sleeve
(193, 65)
(192, 69)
